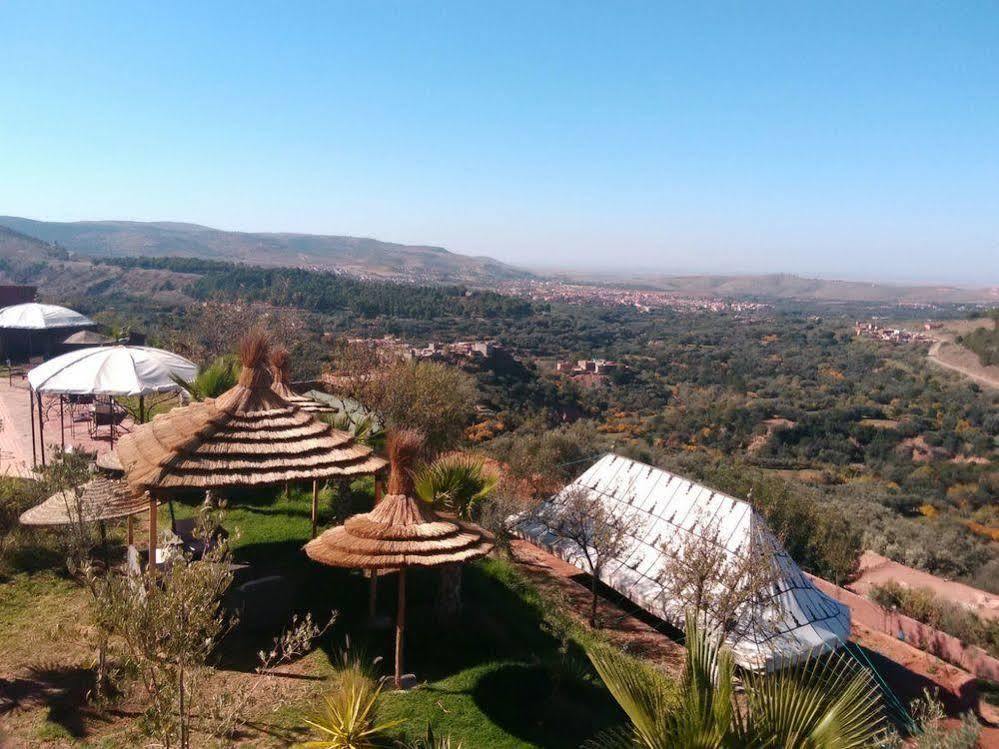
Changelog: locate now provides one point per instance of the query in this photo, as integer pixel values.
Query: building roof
(797, 619)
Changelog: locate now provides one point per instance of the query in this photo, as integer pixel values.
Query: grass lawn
(498, 677)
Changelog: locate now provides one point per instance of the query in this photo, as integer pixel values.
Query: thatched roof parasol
(279, 365)
(99, 499)
(400, 532)
(248, 436)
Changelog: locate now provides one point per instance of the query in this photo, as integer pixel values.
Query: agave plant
(829, 702)
(348, 720)
(211, 381)
(364, 428)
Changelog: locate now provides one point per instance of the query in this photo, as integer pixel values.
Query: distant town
(643, 300)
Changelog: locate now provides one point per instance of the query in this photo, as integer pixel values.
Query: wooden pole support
(400, 628)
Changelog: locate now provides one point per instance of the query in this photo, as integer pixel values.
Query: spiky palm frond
(828, 702)
(646, 697)
(211, 381)
(704, 717)
(455, 482)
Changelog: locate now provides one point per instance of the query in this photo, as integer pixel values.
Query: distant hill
(59, 277)
(786, 286)
(354, 255)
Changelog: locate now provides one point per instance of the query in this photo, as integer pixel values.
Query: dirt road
(944, 352)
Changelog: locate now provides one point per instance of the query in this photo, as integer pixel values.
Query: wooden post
(379, 489)
(315, 506)
(31, 410)
(152, 532)
(373, 595)
(142, 409)
(400, 628)
(62, 424)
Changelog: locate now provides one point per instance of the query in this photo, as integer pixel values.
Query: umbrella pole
(315, 506)
(31, 410)
(400, 628)
(62, 424)
(41, 429)
(373, 595)
(112, 421)
(142, 409)
(152, 533)
(130, 530)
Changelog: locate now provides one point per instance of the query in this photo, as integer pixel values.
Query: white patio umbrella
(35, 316)
(38, 318)
(108, 370)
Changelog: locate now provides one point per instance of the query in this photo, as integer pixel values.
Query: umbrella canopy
(86, 338)
(35, 316)
(99, 499)
(112, 370)
(280, 372)
(248, 436)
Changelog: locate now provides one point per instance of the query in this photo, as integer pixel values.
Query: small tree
(580, 518)
(434, 398)
(167, 623)
(723, 588)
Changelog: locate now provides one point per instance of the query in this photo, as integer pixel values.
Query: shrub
(924, 606)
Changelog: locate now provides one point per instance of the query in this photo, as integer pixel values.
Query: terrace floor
(15, 429)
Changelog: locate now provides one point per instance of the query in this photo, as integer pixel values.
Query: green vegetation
(926, 607)
(827, 703)
(984, 341)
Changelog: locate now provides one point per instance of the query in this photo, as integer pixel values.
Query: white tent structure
(115, 371)
(794, 621)
(25, 325)
(35, 316)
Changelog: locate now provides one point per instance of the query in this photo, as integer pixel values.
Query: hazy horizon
(853, 142)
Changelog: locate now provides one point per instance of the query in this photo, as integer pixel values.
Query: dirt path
(949, 355)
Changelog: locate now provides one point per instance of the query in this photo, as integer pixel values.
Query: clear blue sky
(843, 139)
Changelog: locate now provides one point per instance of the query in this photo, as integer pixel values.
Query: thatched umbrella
(280, 371)
(247, 437)
(400, 532)
(99, 499)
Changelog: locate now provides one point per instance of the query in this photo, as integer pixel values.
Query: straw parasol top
(401, 531)
(279, 360)
(99, 499)
(248, 436)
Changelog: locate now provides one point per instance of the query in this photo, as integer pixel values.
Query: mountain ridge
(362, 256)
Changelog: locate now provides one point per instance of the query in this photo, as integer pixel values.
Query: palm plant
(211, 381)
(455, 483)
(829, 702)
